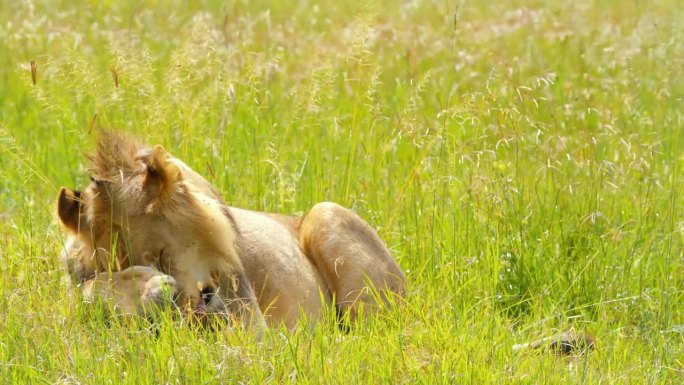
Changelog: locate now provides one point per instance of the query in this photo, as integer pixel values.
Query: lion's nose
(208, 294)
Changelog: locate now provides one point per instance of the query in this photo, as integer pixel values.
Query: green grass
(522, 160)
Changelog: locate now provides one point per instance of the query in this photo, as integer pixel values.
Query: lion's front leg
(137, 290)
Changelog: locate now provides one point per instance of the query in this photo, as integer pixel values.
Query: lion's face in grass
(144, 207)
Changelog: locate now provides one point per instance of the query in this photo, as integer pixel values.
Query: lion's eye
(162, 262)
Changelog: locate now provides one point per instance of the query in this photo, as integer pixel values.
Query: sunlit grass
(522, 160)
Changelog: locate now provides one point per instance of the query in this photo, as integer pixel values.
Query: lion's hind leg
(351, 258)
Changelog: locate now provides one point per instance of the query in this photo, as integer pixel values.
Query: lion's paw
(160, 290)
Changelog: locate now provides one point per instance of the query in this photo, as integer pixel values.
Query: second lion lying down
(148, 224)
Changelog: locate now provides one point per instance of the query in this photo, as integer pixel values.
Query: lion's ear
(161, 173)
(69, 208)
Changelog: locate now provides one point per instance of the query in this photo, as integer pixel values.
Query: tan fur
(148, 215)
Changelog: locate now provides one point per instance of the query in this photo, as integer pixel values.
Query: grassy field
(523, 160)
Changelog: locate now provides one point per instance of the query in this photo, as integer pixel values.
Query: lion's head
(145, 207)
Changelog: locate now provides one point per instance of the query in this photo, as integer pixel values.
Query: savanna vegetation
(522, 160)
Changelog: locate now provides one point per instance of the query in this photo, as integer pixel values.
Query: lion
(148, 233)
